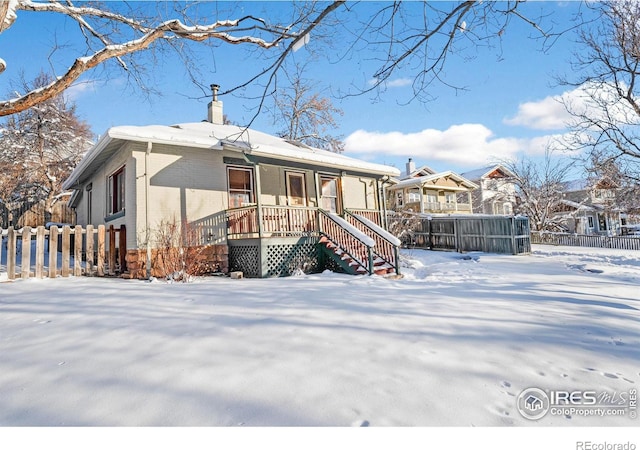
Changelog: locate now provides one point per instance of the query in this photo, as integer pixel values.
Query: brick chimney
(214, 111)
(411, 167)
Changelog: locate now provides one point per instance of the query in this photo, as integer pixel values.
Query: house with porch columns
(258, 203)
(424, 190)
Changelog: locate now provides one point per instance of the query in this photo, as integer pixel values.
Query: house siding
(273, 184)
(99, 198)
(185, 184)
(359, 192)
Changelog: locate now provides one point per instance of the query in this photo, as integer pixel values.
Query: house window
(116, 192)
(590, 220)
(602, 222)
(329, 193)
(450, 197)
(399, 198)
(240, 186)
(296, 190)
(413, 196)
(89, 202)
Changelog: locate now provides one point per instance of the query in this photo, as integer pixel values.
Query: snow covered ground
(452, 343)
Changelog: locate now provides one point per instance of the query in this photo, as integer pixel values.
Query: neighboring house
(263, 201)
(588, 208)
(496, 193)
(426, 191)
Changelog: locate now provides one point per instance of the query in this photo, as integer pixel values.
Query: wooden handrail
(348, 242)
(384, 248)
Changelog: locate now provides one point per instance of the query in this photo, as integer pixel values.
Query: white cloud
(76, 90)
(398, 82)
(546, 114)
(592, 100)
(464, 145)
(555, 143)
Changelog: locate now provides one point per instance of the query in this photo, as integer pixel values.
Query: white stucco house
(262, 204)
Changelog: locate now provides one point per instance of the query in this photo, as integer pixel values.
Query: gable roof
(421, 172)
(206, 135)
(419, 181)
(484, 172)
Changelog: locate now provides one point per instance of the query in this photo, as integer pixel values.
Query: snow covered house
(496, 193)
(426, 191)
(258, 203)
(590, 208)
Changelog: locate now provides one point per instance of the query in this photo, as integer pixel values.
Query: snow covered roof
(211, 136)
(581, 206)
(420, 172)
(419, 181)
(478, 174)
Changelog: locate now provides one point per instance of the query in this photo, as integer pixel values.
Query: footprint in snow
(360, 423)
(610, 375)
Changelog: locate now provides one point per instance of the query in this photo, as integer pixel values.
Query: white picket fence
(40, 252)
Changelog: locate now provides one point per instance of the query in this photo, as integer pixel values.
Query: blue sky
(506, 110)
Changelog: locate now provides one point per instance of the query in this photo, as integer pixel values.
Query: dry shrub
(179, 251)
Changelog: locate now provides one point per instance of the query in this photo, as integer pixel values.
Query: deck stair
(351, 243)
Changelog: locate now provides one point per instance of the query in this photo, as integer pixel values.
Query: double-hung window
(240, 186)
(115, 191)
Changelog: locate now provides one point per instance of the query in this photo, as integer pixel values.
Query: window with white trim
(329, 193)
(240, 181)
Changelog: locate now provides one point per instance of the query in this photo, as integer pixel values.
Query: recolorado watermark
(535, 403)
(588, 445)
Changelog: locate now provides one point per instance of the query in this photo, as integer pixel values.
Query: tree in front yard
(39, 149)
(540, 187)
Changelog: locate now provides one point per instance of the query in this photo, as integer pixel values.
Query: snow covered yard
(453, 343)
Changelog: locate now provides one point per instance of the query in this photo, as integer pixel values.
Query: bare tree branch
(606, 72)
(229, 31)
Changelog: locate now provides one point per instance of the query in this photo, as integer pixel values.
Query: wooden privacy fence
(585, 240)
(491, 234)
(40, 252)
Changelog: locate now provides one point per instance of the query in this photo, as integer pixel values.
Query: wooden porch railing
(337, 230)
(243, 222)
(289, 220)
(387, 246)
(373, 216)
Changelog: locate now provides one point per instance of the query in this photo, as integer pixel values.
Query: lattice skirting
(275, 257)
(246, 259)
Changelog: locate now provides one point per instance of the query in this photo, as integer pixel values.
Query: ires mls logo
(535, 403)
